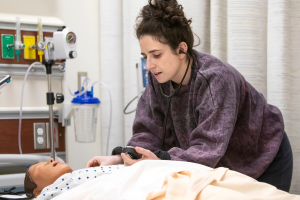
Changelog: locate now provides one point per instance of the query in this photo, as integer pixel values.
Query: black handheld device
(129, 150)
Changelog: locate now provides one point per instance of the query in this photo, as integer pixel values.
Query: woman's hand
(104, 161)
(147, 155)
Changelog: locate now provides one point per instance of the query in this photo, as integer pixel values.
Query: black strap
(163, 155)
(11, 198)
(10, 192)
(117, 150)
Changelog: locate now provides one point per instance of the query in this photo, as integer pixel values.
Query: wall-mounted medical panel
(8, 55)
(29, 47)
(7, 43)
(16, 65)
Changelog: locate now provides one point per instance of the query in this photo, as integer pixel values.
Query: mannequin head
(42, 174)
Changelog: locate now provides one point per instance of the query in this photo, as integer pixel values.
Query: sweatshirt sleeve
(215, 114)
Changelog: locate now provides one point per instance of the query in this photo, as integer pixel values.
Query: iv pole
(49, 96)
(50, 101)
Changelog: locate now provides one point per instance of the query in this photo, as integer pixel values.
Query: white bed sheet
(133, 182)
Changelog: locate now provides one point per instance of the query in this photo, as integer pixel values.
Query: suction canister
(85, 110)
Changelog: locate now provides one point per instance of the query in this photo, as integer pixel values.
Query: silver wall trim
(28, 114)
(28, 27)
(20, 70)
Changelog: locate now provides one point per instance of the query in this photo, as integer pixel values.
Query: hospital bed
(145, 180)
(148, 177)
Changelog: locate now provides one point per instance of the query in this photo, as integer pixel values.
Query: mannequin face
(164, 63)
(46, 173)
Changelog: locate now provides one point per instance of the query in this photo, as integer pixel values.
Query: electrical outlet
(55, 134)
(39, 135)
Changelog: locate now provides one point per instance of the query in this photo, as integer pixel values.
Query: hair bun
(169, 11)
(164, 20)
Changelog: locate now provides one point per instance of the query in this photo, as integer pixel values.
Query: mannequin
(46, 180)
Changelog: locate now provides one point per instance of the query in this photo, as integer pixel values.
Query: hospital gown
(218, 119)
(70, 180)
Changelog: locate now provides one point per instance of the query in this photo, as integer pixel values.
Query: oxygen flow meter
(65, 43)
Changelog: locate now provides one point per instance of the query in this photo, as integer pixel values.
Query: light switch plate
(39, 135)
(81, 77)
(55, 133)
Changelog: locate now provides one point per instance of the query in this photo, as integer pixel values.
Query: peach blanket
(216, 184)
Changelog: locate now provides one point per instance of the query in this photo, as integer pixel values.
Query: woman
(216, 118)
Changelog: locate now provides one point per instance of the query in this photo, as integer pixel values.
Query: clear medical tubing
(18, 29)
(40, 31)
(110, 116)
(86, 82)
(21, 104)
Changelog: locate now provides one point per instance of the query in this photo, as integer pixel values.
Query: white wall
(83, 18)
(28, 7)
(111, 63)
(131, 56)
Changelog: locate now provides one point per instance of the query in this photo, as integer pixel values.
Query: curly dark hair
(166, 22)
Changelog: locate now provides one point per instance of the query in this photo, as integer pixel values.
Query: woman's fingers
(92, 163)
(127, 160)
(143, 151)
(147, 154)
(114, 160)
(89, 163)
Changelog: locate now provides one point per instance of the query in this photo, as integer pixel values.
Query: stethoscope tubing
(169, 98)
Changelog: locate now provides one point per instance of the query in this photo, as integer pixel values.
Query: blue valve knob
(17, 52)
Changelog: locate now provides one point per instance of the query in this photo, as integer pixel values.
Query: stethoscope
(169, 98)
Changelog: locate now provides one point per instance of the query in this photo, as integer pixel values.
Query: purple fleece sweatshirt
(219, 119)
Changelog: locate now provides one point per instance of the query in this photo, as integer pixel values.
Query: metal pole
(51, 120)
